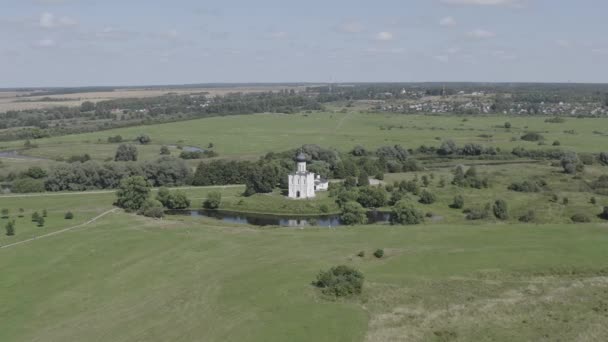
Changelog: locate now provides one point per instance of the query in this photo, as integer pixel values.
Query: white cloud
(350, 27)
(453, 50)
(481, 34)
(516, 3)
(45, 43)
(447, 22)
(49, 21)
(384, 36)
(442, 58)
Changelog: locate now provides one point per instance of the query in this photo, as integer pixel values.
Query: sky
(137, 42)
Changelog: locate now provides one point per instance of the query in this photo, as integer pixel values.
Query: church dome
(301, 158)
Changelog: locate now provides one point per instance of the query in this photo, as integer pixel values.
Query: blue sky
(94, 42)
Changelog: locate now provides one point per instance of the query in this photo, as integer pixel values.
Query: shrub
(44, 213)
(556, 143)
(458, 202)
(213, 201)
(532, 136)
(151, 208)
(40, 221)
(363, 179)
(527, 186)
(507, 125)
(405, 213)
(580, 218)
(10, 228)
(477, 213)
(68, 216)
(35, 172)
(164, 150)
(571, 163)
(500, 210)
(126, 152)
(603, 158)
(379, 253)
(143, 139)
(530, 216)
(604, 214)
(565, 201)
(324, 208)
(593, 200)
(353, 213)
(115, 139)
(427, 197)
(35, 216)
(5, 213)
(372, 197)
(27, 185)
(21, 211)
(340, 281)
(361, 254)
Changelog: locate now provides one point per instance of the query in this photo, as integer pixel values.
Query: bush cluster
(340, 281)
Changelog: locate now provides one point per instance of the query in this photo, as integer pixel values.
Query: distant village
(479, 102)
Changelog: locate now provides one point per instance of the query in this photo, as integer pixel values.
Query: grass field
(249, 136)
(126, 278)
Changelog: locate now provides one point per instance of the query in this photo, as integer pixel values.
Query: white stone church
(304, 184)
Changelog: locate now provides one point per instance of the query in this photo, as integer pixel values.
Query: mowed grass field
(129, 278)
(248, 136)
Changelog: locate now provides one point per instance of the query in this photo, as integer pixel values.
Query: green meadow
(129, 278)
(249, 136)
(107, 275)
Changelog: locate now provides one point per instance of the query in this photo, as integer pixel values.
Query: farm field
(249, 136)
(23, 100)
(184, 279)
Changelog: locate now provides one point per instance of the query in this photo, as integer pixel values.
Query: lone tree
(213, 201)
(571, 163)
(132, 193)
(353, 213)
(500, 210)
(35, 216)
(10, 228)
(5, 213)
(126, 152)
(405, 213)
(40, 221)
(68, 216)
(340, 281)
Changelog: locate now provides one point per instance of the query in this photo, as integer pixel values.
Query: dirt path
(62, 230)
(339, 125)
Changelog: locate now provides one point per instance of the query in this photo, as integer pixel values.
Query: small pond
(278, 220)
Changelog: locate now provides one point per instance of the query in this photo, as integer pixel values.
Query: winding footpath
(62, 230)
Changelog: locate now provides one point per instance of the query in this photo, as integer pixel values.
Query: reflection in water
(276, 220)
